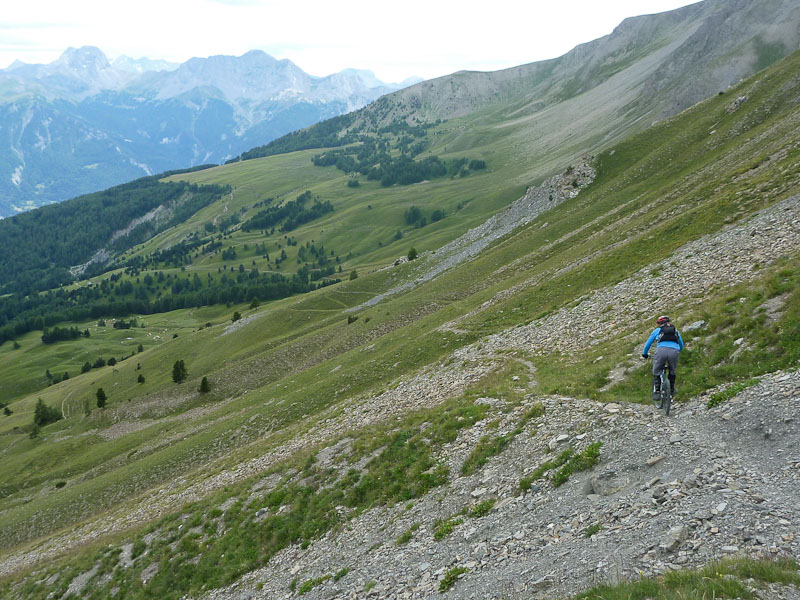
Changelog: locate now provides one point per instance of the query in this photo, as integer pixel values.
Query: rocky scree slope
(668, 492)
(536, 200)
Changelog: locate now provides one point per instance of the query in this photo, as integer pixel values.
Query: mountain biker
(669, 344)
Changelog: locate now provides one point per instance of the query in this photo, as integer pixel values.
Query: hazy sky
(396, 39)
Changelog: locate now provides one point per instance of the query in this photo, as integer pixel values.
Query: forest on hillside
(37, 248)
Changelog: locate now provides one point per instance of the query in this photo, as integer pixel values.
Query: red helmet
(663, 319)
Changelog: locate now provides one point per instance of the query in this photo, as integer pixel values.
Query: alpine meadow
(397, 354)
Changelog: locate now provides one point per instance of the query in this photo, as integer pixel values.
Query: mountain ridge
(134, 122)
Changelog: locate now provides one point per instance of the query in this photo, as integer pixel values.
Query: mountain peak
(142, 64)
(85, 58)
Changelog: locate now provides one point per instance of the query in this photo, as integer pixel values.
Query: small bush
(205, 387)
(481, 509)
(139, 546)
(412, 254)
(406, 536)
(340, 573)
(450, 578)
(310, 584)
(60, 484)
(525, 482)
(445, 528)
(592, 529)
(580, 462)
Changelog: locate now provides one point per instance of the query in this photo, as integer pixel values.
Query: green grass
(450, 578)
(718, 398)
(310, 584)
(576, 463)
(481, 509)
(303, 506)
(566, 463)
(445, 527)
(488, 447)
(724, 579)
(406, 536)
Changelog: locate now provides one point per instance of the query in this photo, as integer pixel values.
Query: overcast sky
(395, 40)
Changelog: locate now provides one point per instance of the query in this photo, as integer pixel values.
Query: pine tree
(101, 398)
(179, 372)
(204, 386)
(44, 415)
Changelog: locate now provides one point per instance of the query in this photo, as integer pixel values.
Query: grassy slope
(282, 367)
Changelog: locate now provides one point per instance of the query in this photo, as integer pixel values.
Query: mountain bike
(663, 400)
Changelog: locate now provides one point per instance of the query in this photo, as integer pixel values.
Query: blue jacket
(654, 336)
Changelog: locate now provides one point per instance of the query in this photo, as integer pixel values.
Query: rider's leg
(672, 360)
(659, 360)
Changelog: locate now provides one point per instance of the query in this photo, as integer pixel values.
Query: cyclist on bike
(669, 344)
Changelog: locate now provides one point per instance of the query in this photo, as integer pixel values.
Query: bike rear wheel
(666, 393)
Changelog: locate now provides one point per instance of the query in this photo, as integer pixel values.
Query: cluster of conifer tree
(20, 315)
(292, 214)
(37, 248)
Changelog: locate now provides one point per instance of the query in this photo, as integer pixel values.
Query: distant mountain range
(82, 123)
